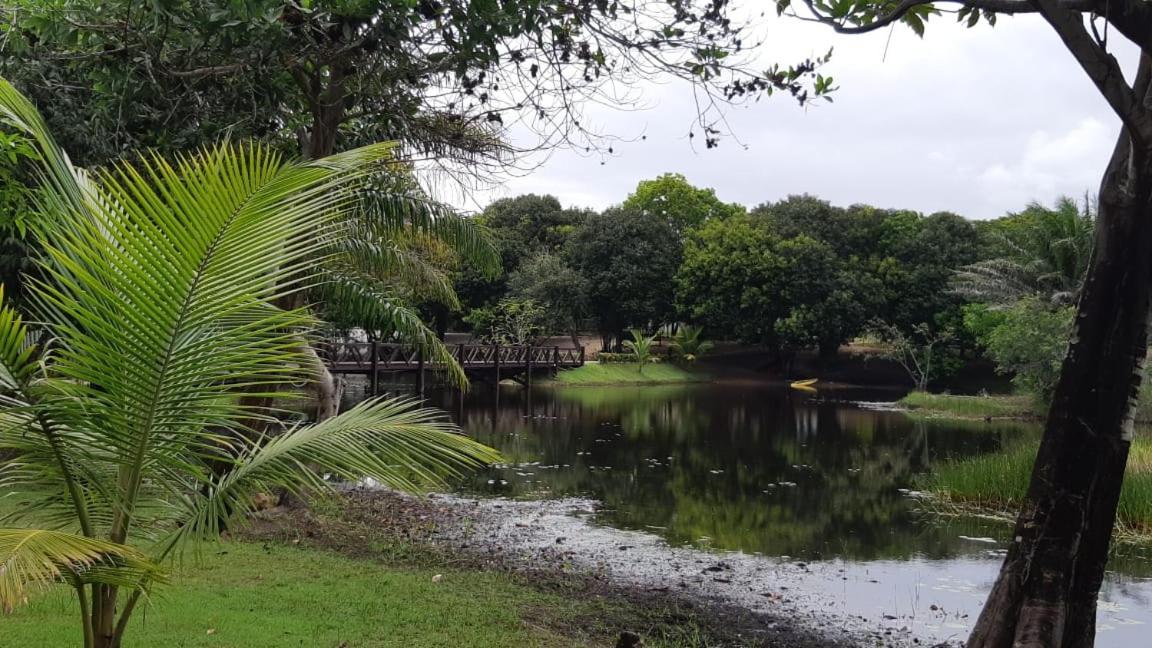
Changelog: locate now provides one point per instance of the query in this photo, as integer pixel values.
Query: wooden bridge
(477, 360)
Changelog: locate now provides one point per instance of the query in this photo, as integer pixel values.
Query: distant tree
(510, 321)
(683, 205)
(688, 343)
(1037, 252)
(741, 278)
(559, 289)
(629, 260)
(1026, 339)
(920, 352)
(917, 283)
(522, 228)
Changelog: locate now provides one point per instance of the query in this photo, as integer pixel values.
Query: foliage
(1027, 339)
(522, 228)
(442, 77)
(684, 206)
(640, 348)
(159, 299)
(604, 357)
(627, 258)
(561, 291)
(509, 322)
(688, 343)
(740, 277)
(1037, 252)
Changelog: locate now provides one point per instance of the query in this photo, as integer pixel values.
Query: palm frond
(393, 212)
(393, 441)
(17, 354)
(33, 559)
(364, 302)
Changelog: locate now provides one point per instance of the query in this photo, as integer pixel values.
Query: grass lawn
(245, 595)
(995, 484)
(627, 374)
(976, 407)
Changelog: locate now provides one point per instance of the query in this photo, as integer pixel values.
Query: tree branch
(1007, 7)
(1101, 67)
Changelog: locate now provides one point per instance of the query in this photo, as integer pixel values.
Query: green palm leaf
(33, 559)
(393, 441)
(162, 292)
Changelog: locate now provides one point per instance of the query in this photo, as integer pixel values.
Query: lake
(762, 469)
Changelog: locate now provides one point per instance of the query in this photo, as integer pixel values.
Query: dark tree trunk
(1046, 593)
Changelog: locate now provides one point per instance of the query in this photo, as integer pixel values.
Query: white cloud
(1051, 164)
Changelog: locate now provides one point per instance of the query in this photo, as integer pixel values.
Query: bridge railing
(381, 356)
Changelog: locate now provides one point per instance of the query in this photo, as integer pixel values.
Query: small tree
(158, 295)
(918, 353)
(511, 321)
(688, 343)
(640, 346)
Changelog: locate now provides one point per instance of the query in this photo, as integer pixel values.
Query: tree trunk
(1046, 593)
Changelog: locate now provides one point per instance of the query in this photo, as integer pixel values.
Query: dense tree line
(795, 274)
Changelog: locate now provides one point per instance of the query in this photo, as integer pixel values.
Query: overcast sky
(976, 121)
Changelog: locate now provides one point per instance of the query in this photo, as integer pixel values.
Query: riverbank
(969, 407)
(595, 373)
(617, 580)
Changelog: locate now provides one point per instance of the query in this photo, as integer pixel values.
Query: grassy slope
(996, 482)
(623, 374)
(246, 595)
(949, 405)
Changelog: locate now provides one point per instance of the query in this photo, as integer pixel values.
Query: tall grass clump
(995, 484)
(944, 405)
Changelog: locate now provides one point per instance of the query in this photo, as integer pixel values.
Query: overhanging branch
(1008, 7)
(1102, 68)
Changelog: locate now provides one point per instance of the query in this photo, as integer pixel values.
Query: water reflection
(764, 469)
(743, 467)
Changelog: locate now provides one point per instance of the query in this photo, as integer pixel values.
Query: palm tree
(160, 297)
(640, 346)
(688, 343)
(1045, 254)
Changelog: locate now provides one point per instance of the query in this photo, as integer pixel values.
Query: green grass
(627, 374)
(949, 405)
(248, 595)
(995, 484)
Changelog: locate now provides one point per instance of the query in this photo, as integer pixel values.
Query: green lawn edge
(593, 373)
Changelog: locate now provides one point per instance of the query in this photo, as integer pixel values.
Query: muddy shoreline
(737, 599)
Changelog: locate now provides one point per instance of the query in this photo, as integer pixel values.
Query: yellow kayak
(803, 384)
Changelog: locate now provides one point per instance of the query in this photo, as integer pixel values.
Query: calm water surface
(761, 468)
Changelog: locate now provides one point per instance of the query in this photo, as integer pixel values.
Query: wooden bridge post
(529, 365)
(581, 356)
(420, 370)
(555, 361)
(374, 381)
(496, 363)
